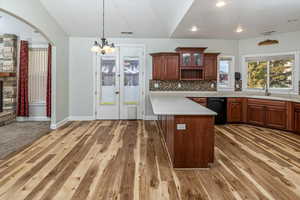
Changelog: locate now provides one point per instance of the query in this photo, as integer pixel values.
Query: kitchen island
(188, 130)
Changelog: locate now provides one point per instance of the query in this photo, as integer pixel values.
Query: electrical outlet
(156, 85)
(181, 127)
(179, 85)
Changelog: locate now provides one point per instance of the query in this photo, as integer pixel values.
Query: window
(276, 72)
(37, 75)
(225, 72)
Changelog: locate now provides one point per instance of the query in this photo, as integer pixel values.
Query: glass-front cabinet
(191, 57)
(191, 63)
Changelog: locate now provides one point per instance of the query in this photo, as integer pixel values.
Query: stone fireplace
(8, 78)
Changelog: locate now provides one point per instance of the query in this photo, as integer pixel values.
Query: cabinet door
(210, 65)
(200, 100)
(234, 112)
(171, 68)
(276, 117)
(158, 68)
(297, 120)
(256, 115)
(186, 59)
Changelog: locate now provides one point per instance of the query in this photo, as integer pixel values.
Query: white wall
(33, 12)
(81, 66)
(288, 42)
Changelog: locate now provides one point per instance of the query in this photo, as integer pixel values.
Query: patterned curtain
(23, 106)
(48, 98)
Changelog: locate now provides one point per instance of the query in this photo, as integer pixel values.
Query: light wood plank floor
(126, 160)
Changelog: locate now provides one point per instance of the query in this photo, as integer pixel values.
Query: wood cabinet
(297, 117)
(256, 114)
(191, 147)
(188, 63)
(234, 110)
(276, 117)
(165, 66)
(200, 100)
(211, 66)
(191, 57)
(269, 113)
(191, 63)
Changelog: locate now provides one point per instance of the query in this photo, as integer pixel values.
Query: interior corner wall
(288, 42)
(81, 66)
(33, 12)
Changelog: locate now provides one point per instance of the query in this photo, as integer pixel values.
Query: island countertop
(177, 105)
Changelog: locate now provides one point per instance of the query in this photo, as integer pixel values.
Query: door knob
(117, 92)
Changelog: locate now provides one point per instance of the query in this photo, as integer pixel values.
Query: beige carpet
(15, 136)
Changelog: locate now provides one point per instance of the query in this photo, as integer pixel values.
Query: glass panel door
(119, 84)
(131, 80)
(131, 58)
(108, 81)
(186, 59)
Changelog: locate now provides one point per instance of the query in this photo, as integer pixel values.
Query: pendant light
(103, 46)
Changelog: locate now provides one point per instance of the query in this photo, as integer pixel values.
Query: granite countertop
(228, 94)
(177, 105)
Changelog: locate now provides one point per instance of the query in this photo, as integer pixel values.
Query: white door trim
(143, 82)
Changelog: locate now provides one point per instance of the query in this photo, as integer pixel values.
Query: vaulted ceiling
(174, 19)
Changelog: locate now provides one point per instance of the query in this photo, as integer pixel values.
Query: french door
(120, 84)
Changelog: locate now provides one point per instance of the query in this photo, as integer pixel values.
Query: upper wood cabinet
(234, 110)
(165, 66)
(211, 66)
(189, 63)
(191, 57)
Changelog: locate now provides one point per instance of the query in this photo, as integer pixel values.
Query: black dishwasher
(219, 105)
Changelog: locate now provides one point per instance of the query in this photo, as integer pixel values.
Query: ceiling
(174, 19)
(12, 25)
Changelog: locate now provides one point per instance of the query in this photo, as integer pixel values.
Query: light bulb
(221, 4)
(95, 47)
(239, 29)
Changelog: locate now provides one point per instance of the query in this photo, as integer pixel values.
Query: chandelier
(103, 46)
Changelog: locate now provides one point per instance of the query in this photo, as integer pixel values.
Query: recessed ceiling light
(239, 29)
(194, 28)
(220, 4)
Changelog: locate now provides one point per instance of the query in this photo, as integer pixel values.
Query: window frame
(230, 74)
(295, 74)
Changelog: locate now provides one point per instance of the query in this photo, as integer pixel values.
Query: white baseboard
(30, 119)
(59, 124)
(150, 117)
(81, 118)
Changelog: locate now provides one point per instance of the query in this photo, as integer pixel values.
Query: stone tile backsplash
(8, 63)
(201, 85)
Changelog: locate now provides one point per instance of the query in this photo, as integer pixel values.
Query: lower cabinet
(276, 117)
(272, 114)
(297, 117)
(234, 110)
(200, 100)
(256, 114)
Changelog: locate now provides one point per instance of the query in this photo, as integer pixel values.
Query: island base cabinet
(194, 145)
(189, 140)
